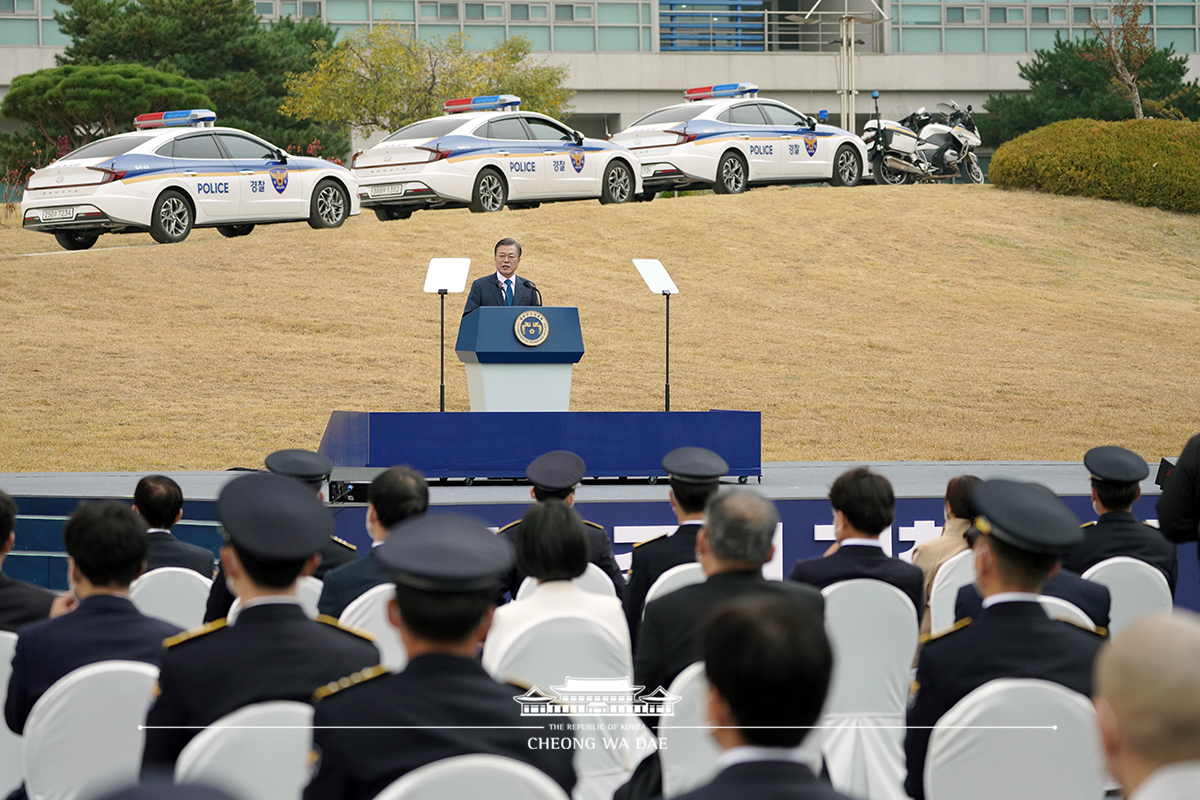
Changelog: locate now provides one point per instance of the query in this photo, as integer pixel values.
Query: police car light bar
(723, 90)
(491, 102)
(194, 118)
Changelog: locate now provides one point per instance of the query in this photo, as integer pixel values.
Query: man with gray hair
(1147, 697)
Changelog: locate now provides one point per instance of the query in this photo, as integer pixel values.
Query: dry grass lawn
(926, 322)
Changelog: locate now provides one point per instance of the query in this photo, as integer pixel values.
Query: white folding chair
(689, 758)
(259, 752)
(10, 743)
(1016, 737)
(175, 594)
(1057, 608)
(1137, 589)
(954, 573)
(593, 579)
(474, 777)
(675, 578)
(873, 630)
(84, 736)
(369, 612)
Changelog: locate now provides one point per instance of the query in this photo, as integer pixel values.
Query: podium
(520, 358)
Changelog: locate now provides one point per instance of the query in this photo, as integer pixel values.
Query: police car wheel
(232, 231)
(171, 221)
(731, 174)
(329, 205)
(884, 176)
(847, 167)
(76, 240)
(971, 171)
(389, 213)
(489, 193)
(618, 183)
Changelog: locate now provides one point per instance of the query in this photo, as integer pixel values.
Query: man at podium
(503, 287)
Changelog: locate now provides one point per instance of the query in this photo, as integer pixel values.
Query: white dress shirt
(1009, 597)
(503, 291)
(1179, 781)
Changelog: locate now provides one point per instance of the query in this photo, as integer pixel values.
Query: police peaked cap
(273, 517)
(697, 465)
(445, 553)
(1115, 465)
(1025, 517)
(304, 465)
(556, 470)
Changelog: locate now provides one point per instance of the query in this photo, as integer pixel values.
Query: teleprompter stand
(446, 276)
(656, 278)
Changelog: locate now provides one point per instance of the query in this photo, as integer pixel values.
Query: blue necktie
(508, 291)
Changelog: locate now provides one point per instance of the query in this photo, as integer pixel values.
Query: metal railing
(739, 26)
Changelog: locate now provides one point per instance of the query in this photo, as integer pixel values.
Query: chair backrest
(259, 752)
(1137, 589)
(593, 579)
(689, 758)
(954, 573)
(175, 594)
(308, 592)
(84, 736)
(369, 612)
(1045, 729)
(474, 776)
(1057, 608)
(675, 578)
(10, 743)
(873, 630)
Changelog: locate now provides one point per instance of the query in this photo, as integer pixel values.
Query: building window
(583, 12)
(539, 12)
(955, 14)
(564, 13)
(1083, 14)
(1039, 15)
(447, 10)
(494, 12)
(260, 8)
(428, 11)
(518, 11)
(19, 7)
(309, 9)
(997, 15)
(473, 11)
(1016, 15)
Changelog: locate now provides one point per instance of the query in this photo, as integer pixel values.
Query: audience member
(768, 664)
(863, 506)
(1116, 473)
(396, 494)
(160, 502)
(1148, 707)
(1023, 531)
(375, 726)
(693, 475)
(1179, 505)
(20, 602)
(274, 527)
(554, 476)
(552, 547)
(959, 511)
(106, 546)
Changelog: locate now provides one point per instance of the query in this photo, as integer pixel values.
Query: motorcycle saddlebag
(899, 139)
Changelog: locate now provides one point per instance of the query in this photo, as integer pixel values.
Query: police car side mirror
(281, 156)
(577, 136)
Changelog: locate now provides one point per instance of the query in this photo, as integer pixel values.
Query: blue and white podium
(520, 358)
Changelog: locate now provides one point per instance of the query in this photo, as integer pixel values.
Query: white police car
(176, 172)
(486, 153)
(726, 138)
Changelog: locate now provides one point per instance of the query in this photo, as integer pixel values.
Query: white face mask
(367, 524)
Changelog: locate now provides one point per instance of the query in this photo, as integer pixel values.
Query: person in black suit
(20, 602)
(768, 664)
(554, 476)
(863, 506)
(376, 726)
(694, 475)
(503, 287)
(160, 502)
(1023, 532)
(1179, 505)
(396, 494)
(1116, 474)
(106, 547)
(1092, 598)
(274, 528)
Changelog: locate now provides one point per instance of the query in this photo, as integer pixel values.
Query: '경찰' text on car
(485, 153)
(177, 171)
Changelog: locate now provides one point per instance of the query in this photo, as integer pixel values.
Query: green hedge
(1149, 162)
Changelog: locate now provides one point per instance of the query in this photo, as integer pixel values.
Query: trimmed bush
(1148, 162)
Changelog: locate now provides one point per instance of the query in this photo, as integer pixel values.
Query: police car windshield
(668, 116)
(428, 129)
(113, 146)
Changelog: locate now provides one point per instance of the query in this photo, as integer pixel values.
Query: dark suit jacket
(650, 560)
(485, 292)
(433, 690)
(345, 584)
(1120, 533)
(764, 780)
(102, 628)
(167, 551)
(272, 652)
(1091, 597)
(1179, 506)
(1008, 640)
(22, 603)
(863, 561)
(599, 550)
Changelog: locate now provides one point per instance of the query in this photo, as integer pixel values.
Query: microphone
(531, 285)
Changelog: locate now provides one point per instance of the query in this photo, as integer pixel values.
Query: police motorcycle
(923, 146)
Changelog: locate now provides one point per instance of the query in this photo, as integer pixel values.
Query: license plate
(395, 190)
(647, 170)
(57, 213)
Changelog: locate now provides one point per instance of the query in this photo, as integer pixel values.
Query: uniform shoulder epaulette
(328, 620)
(648, 541)
(509, 525)
(333, 687)
(518, 683)
(1101, 632)
(344, 543)
(1088, 524)
(194, 632)
(958, 626)
(593, 524)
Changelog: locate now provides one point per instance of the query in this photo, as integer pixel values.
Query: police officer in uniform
(374, 726)
(694, 475)
(274, 527)
(1116, 473)
(1023, 532)
(554, 475)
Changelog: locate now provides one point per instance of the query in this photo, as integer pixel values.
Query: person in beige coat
(930, 555)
